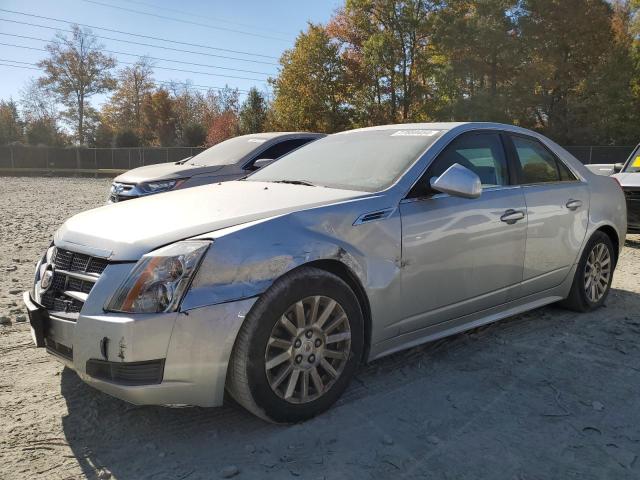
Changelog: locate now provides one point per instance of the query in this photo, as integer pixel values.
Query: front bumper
(182, 356)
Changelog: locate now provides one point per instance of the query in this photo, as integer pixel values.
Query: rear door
(557, 209)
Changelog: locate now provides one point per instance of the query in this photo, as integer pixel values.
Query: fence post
(129, 150)
(13, 165)
(143, 150)
(167, 150)
(590, 154)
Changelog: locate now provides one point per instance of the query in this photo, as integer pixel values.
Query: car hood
(165, 171)
(127, 230)
(628, 179)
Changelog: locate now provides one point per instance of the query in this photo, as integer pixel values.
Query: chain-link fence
(601, 154)
(17, 158)
(87, 159)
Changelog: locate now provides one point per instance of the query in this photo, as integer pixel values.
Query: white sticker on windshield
(414, 133)
(257, 140)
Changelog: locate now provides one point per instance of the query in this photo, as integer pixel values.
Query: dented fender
(245, 260)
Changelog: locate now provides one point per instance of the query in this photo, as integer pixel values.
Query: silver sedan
(275, 288)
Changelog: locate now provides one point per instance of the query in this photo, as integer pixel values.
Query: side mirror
(261, 162)
(617, 167)
(458, 181)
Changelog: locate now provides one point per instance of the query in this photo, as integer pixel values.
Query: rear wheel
(298, 347)
(594, 275)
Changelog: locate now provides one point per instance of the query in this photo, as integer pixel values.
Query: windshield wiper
(296, 182)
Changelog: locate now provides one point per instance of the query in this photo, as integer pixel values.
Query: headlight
(159, 279)
(161, 185)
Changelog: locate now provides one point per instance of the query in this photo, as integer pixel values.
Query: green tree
(75, 71)
(126, 138)
(194, 135)
(253, 113)
(565, 41)
(310, 90)
(479, 49)
(10, 123)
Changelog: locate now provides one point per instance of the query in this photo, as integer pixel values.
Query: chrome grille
(74, 276)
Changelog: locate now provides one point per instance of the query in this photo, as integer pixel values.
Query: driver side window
(482, 153)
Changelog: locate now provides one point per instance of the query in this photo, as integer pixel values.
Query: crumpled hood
(127, 230)
(628, 179)
(164, 171)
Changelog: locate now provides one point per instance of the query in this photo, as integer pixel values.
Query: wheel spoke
(317, 381)
(328, 368)
(280, 378)
(335, 323)
(333, 354)
(313, 314)
(338, 337)
(328, 310)
(300, 317)
(587, 282)
(286, 323)
(277, 360)
(279, 343)
(291, 386)
(305, 385)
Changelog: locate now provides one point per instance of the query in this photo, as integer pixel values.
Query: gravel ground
(548, 394)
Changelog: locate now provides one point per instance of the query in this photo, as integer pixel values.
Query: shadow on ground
(548, 394)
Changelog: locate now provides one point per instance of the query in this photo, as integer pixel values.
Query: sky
(253, 33)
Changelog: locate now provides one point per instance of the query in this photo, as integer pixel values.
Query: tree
(565, 42)
(124, 109)
(310, 90)
(126, 138)
(480, 51)
(76, 70)
(40, 113)
(10, 124)
(194, 135)
(160, 118)
(253, 113)
(222, 127)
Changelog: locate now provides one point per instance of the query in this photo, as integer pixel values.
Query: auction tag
(636, 162)
(415, 133)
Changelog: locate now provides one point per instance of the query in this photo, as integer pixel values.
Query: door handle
(574, 204)
(512, 216)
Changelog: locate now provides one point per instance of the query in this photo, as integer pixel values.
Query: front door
(462, 255)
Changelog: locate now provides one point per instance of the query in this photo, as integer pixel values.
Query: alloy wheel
(597, 272)
(308, 349)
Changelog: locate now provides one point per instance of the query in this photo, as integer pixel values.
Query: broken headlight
(159, 279)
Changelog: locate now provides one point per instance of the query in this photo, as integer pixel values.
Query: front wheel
(594, 275)
(298, 348)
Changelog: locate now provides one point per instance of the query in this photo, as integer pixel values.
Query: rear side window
(537, 164)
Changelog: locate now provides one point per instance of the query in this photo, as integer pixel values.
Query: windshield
(633, 165)
(369, 160)
(227, 152)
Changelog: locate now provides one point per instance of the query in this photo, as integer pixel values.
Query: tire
(579, 299)
(259, 379)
